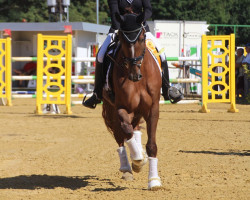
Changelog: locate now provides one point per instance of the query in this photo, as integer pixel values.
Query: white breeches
(103, 49)
(110, 38)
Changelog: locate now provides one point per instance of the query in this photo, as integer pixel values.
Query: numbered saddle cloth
(152, 49)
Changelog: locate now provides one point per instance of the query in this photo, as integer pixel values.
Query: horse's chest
(131, 95)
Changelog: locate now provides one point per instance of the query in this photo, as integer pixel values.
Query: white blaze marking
(133, 50)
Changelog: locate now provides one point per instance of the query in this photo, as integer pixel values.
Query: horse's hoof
(138, 164)
(126, 169)
(127, 176)
(154, 184)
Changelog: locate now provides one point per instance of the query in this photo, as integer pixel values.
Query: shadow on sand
(229, 153)
(51, 182)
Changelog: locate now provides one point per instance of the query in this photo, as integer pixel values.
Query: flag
(7, 32)
(68, 29)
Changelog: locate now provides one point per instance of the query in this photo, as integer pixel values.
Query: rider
(144, 10)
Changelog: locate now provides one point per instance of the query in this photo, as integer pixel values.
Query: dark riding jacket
(141, 7)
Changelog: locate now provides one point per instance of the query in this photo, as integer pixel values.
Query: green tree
(212, 11)
(86, 11)
(30, 10)
(37, 11)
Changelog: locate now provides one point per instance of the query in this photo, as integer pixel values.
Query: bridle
(131, 37)
(134, 61)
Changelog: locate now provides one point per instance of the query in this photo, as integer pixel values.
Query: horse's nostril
(131, 77)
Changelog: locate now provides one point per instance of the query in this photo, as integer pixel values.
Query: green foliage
(85, 11)
(30, 10)
(212, 11)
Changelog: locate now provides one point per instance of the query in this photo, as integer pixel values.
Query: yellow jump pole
(5, 70)
(39, 82)
(8, 72)
(232, 73)
(204, 75)
(68, 74)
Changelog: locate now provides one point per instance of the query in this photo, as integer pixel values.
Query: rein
(112, 59)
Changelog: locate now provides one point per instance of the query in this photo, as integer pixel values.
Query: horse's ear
(119, 17)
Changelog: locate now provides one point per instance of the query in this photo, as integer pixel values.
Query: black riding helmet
(130, 26)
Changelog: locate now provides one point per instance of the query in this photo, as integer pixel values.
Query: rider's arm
(113, 7)
(147, 11)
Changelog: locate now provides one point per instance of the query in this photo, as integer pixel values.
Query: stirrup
(91, 102)
(175, 95)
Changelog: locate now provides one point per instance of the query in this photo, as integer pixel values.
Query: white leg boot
(135, 150)
(124, 163)
(55, 109)
(154, 181)
(46, 108)
(139, 158)
(137, 135)
(125, 167)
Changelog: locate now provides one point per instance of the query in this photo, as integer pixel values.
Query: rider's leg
(97, 93)
(168, 92)
(165, 80)
(99, 76)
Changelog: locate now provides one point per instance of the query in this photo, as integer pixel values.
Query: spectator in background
(239, 72)
(247, 58)
(28, 69)
(246, 64)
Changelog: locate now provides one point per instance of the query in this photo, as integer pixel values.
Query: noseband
(133, 61)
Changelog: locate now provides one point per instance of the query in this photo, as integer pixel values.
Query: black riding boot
(169, 92)
(97, 93)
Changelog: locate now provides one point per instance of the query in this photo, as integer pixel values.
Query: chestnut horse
(136, 83)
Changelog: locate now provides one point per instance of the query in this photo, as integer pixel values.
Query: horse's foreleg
(125, 167)
(136, 153)
(152, 121)
(125, 121)
(137, 135)
(124, 164)
(135, 165)
(154, 181)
